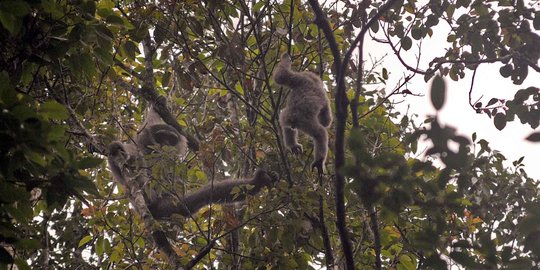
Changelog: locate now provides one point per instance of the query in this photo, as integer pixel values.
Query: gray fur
(307, 109)
(124, 160)
(156, 133)
(122, 157)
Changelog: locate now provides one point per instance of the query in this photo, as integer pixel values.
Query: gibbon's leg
(290, 135)
(218, 192)
(325, 116)
(320, 141)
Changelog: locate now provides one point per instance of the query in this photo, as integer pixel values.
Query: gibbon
(126, 159)
(123, 158)
(129, 168)
(307, 109)
(156, 133)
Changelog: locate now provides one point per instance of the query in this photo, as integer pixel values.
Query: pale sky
(457, 112)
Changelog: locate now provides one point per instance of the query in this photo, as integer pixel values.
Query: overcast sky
(457, 112)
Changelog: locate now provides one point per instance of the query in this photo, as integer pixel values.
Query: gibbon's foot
(319, 165)
(297, 149)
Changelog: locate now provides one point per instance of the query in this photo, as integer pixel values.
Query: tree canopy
(76, 75)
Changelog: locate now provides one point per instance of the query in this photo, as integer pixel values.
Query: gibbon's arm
(152, 117)
(219, 192)
(284, 75)
(325, 115)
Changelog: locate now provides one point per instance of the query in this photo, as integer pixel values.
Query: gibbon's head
(117, 151)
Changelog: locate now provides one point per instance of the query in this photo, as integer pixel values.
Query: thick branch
(341, 102)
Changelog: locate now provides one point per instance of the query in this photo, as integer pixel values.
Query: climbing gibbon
(307, 109)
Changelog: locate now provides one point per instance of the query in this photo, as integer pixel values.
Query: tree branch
(341, 103)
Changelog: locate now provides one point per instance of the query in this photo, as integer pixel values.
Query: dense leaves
(75, 75)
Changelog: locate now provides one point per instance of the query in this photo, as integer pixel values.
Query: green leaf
(85, 240)
(89, 163)
(492, 101)
(438, 92)
(500, 121)
(534, 137)
(11, 15)
(238, 87)
(463, 258)
(88, 67)
(536, 21)
(11, 23)
(28, 244)
(406, 43)
(375, 27)
(53, 110)
(115, 19)
(258, 5)
(100, 246)
(51, 7)
(8, 96)
(417, 33)
(130, 49)
(15, 7)
(406, 263)
(506, 70)
(104, 56)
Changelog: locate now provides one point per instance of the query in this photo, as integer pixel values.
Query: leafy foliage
(75, 75)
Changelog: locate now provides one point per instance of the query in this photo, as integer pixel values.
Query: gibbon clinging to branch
(156, 133)
(125, 159)
(130, 168)
(307, 109)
